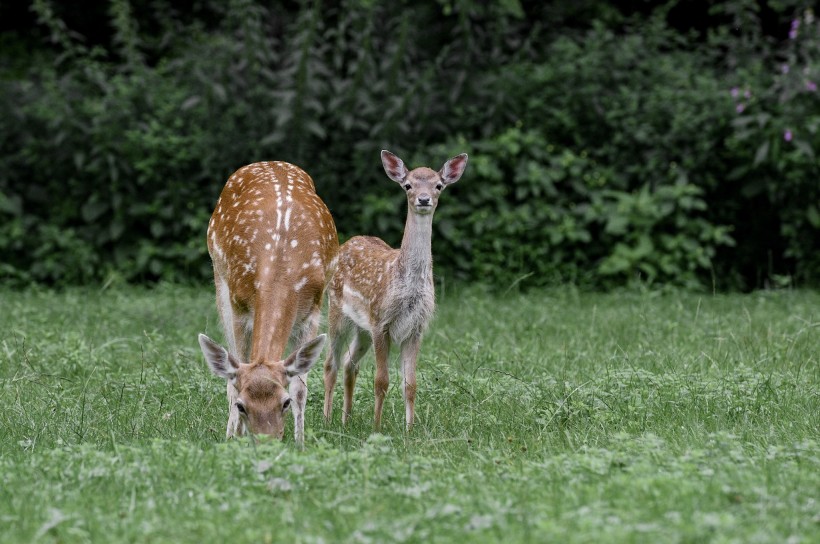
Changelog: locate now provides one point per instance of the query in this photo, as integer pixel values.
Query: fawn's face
(423, 185)
(263, 398)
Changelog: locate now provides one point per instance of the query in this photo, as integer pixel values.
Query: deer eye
(286, 405)
(438, 187)
(240, 407)
(407, 187)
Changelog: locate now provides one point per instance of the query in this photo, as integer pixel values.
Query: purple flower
(740, 107)
(787, 135)
(784, 68)
(734, 92)
(811, 86)
(747, 93)
(793, 29)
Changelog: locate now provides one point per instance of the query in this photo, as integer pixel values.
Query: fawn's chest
(410, 306)
(385, 289)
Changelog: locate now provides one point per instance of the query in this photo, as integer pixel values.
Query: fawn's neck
(416, 257)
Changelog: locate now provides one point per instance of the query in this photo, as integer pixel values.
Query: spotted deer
(378, 295)
(272, 241)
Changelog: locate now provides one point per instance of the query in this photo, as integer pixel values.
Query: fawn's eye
(407, 187)
(286, 405)
(438, 187)
(240, 407)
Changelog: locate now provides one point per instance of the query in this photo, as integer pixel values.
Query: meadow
(543, 416)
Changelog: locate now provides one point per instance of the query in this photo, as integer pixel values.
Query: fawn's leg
(409, 356)
(381, 346)
(359, 346)
(338, 334)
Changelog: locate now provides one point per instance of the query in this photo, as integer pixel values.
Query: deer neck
(416, 256)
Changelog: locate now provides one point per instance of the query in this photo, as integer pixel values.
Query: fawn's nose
(424, 199)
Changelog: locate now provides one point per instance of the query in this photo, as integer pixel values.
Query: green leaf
(512, 7)
(762, 153)
(804, 147)
(12, 205)
(190, 102)
(93, 209)
(813, 216)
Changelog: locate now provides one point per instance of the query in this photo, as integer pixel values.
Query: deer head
(423, 185)
(263, 397)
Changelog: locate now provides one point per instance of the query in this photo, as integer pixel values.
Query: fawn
(381, 295)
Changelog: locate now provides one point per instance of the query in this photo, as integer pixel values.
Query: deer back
(272, 241)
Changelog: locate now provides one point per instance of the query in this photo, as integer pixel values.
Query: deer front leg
(235, 425)
(298, 385)
(298, 394)
(409, 356)
(381, 347)
(361, 343)
(239, 338)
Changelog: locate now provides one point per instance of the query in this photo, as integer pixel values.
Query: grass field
(552, 416)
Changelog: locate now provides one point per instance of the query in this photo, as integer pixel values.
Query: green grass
(551, 416)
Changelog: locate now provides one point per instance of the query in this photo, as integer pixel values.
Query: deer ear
(222, 363)
(300, 361)
(453, 169)
(394, 166)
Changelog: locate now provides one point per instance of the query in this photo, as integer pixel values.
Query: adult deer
(271, 240)
(381, 295)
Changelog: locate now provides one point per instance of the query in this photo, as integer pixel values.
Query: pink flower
(740, 107)
(734, 92)
(787, 135)
(784, 68)
(811, 86)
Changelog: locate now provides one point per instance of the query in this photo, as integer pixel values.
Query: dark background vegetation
(659, 143)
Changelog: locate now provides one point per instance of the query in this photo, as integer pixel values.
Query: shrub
(138, 142)
(655, 107)
(773, 148)
(535, 213)
(602, 150)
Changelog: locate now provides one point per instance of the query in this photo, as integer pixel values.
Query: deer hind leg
(298, 386)
(338, 332)
(361, 343)
(381, 347)
(409, 357)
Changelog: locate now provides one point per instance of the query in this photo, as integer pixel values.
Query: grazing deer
(271, 240)
(378, 294)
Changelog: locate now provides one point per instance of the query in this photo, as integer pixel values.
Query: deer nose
(424, 200)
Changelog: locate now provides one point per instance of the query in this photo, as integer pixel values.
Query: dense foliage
(605, 146)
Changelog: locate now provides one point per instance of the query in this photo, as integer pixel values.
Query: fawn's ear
(453, 169)
(222, 363)
(394, 166)
(300, 361)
